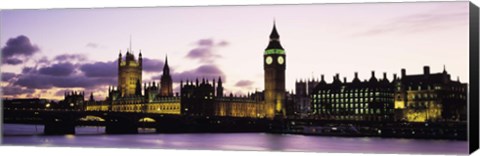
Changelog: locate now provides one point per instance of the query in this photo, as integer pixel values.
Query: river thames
(31, 135)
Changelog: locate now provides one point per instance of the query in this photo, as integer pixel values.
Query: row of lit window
(424, 95)
(457, 96)
(354, 111)
(128, 108)
(342, 95)
(350, 117)
(167, 99)
(420, 104)
(420, 88)
(164, 108)
(342, 90)
(457, 89)
(346, 105)
(385, 105)
(128, 102)
(356, 100)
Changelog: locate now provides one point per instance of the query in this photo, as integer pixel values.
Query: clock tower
(274, 68)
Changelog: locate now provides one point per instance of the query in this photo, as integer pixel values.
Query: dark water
(15, 134)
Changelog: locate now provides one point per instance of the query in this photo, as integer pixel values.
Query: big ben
(274, 67)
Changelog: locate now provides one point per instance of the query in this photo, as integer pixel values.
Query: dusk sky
(45, 52)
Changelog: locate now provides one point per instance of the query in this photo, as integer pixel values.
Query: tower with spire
(166, 81)
(219, 87)
(129, 73)
(274, 68)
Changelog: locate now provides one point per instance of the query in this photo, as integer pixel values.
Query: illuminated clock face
(280, 60)
(269, 60)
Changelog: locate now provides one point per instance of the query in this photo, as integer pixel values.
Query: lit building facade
(430, 97)
(427, 97)
(205, 98)
(128, 96)
(369, 100)
(129, 74)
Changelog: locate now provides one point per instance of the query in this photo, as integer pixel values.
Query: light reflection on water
(15, 134)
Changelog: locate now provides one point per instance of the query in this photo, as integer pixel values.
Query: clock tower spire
(274, 67)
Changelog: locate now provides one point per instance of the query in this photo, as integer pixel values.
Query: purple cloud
(16, 90)
(223, 43)
(152, 65)
(205, 50)
(70, 57)
(204, 71)
(440, 18)
(204, 54)
(43, 60)
(205, 42)
(27, 70)
(61, 69)
(16, 48)
(7, 76)
(64, 75)
(100, 69)
(92, 45)
(244, 83)
(13, 61)
(38, 81)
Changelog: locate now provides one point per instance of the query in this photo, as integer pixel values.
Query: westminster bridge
(64, 121)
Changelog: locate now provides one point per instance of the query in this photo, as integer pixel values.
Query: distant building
(357, 100)
(32, 103)
(431, 97)
(74, 100)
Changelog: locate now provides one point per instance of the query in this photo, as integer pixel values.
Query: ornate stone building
(129, 74)
(431, 97)
(200, 99)
(128, 96)
(204, 98)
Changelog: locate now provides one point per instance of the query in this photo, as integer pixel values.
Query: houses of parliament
(197, 97)
(427, 97)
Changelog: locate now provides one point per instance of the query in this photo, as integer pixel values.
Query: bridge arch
(91, 118)
(147, 119)
(117, 123)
